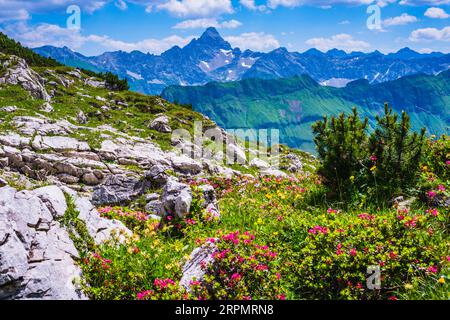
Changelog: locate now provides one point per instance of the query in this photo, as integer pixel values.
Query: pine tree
(341, 144)
(397, 152)
(11, 47)
(382, 164)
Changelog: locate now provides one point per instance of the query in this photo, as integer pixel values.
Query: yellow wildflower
(409, 286)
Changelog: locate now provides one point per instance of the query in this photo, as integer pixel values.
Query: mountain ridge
(211, 58)
(292, 105)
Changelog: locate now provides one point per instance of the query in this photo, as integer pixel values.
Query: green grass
(280, 213)
(67, 103)
(76, 228)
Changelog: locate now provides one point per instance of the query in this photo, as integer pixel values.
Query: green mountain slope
(292, 105)
(11, 47)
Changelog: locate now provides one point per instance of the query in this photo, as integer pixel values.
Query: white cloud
(122, 5)
(155, 46)
(321, 3)
(436, 13)
(341, 41)
(402, 19)
(424, 2)
(257, 41)
(49, 34)
(14, 15)
(204, 23)
(44, 34)
(430, 34)
(17, 10)
(196, 8)
(425, 50)
(251, 5)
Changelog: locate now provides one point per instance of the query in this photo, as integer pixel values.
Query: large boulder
(161, 124)
(37, 256)
(18, 73)
(194, 269)
(59, 144)
(100, 229)
(157, 175)
(176, 198)
(38, 259)
(186, 164)
(119, 189)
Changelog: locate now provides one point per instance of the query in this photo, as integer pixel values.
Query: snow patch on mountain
(336, 82)
(134, 75)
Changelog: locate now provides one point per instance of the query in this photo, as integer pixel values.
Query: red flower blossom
(393, 298)
(431, 194)
(432, 269)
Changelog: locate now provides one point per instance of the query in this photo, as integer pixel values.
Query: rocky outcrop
(402, 204)
(194, 269)
(295, 164)
(176, 198)
(99, 229)
(18, 73)
(161, 124)
(119, 189)
(154, 204)
(9, 109)
(273, 172)
(81, 118)
(93, 82)
(258, 163)
(37, 255)
(440, 201)
(58, 143)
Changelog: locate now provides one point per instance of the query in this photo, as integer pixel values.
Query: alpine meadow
(224, 150)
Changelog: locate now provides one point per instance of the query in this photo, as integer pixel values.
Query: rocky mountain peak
(212, 39)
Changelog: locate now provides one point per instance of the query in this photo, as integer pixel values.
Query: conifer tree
(396, 152)
(341, 143)
(381, 164)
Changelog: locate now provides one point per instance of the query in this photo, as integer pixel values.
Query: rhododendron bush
(243, 270)
(281, 238)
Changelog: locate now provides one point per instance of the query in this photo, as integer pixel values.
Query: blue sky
(262, 25)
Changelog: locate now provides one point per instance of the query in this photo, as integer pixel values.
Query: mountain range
(292, 105)
(211, 58)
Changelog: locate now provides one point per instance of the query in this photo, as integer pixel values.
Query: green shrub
(342, 146)
(396, 153)
(243, 270)
(338, 250)
(76, 228)
(113, 82)
(381, 164)
(11, 47)
(437, 157)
